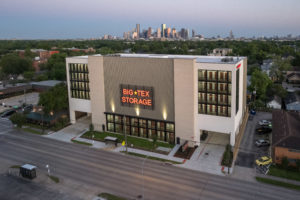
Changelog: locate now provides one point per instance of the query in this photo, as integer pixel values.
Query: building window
(214, 92)
(237, 90)
(79, 81)
(141, 127)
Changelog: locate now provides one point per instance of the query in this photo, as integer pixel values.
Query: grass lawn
(288, 174)
(136, 142)
(28, 129)
(110, 196)
(278, 183)
(15, 166)
(80, 142)
(151, 157)
(54, 178)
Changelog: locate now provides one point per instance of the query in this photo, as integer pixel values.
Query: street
(86, 172)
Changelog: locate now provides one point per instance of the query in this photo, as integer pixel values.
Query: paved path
(90, 171)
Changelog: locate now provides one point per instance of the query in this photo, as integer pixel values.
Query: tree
(55, 99)
(259, 83)
(57, 67)
(276, 89)
(13, 64)
(28, 75)
(279, 65)
(18, 119)
(154, 141)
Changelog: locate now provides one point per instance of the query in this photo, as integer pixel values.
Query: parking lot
(249, 152)
(29, 98)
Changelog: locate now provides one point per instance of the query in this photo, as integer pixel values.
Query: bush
(285, 163)
(298, 164)
(18, 119)
(227, 156)
(91, 127)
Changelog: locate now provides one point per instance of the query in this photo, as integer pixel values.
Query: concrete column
(232, 139)
(72, 117)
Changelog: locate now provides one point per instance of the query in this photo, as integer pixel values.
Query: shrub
(284, 163)
(18, 119)
(227, 156)
(91, 127)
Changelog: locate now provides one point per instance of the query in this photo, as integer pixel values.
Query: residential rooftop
(199, 59)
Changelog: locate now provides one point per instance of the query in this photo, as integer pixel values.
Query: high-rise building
(163, 27)
(158, 33)
(149, 32)
(174, 34)
(138, 30)
(168, 32)
(231, 36)
(193, 33)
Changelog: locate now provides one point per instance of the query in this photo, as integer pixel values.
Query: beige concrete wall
(184, 97)
(97, 93)
(148, 72)
(81, 105)
(244, 86)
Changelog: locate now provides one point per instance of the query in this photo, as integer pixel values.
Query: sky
(63, 19)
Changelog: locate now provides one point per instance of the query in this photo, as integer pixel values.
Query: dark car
(8, 113)
(263, 130)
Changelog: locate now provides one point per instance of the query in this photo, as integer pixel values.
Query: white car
(264, 122)
(262, 142)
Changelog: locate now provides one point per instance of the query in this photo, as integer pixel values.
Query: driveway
(207, 157)
(71, 131)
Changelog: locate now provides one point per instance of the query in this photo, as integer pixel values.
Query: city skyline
(32, 19)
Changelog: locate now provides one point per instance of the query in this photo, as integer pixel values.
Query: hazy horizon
(67, 19)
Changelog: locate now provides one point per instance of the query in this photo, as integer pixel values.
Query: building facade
(175, 98)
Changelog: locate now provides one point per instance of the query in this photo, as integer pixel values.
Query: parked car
(262, 142)
(27, 108)
(264, 122)
(263, 130)
(264, 160)
(8, 113)
(252, 112)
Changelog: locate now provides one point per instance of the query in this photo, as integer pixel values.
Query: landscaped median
(81, 142)
(139, 143)
(278, 183)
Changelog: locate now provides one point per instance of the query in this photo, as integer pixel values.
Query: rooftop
(286, 126)
(199, 59)
(50, 83)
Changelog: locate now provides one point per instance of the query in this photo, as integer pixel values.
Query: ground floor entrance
(141, 127)
(208, 155)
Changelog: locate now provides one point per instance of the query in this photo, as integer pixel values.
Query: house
(266, 66)
(293, 77)
(292, 101)
(286, 136)
(221, 52)
(275, 103)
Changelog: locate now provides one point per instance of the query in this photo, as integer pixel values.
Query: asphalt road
(90, 171)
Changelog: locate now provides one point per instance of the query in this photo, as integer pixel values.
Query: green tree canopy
(55, 99)
(279, 65)
(13, 64)
(259, 83)
(57, 66)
